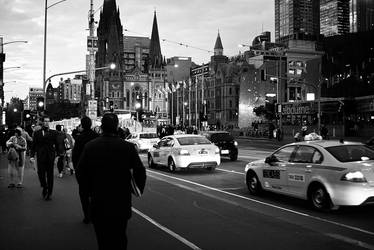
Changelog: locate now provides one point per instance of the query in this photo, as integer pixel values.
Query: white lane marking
(268, 204)
(175, 235)
(351, 241)
(229, 171)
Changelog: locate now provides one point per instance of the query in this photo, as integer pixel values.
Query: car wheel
(319, 198)
(151, 163)
(234, 157)
(171, 165)
(253, 183)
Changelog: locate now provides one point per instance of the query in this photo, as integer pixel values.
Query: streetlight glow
(137, 105)
(15, 110)
(112, 66)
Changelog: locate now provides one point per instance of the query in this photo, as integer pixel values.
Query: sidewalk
(29, 222)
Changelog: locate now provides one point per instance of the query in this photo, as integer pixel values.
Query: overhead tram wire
(174, 42)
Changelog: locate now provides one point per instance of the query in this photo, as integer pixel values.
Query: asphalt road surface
(195, 209)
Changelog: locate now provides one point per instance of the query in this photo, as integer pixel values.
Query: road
(195, 209)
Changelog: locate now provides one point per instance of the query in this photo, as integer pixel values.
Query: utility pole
(189, 101)
(2, 60)
(90, 60)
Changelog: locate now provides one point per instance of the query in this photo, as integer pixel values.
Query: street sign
(92, 109)
(92, 43)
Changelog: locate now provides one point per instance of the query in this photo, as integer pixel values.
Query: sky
(193, 22)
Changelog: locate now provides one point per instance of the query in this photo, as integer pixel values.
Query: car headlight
(184, 152)
(217, 151)
(235, 143)
(354, 177)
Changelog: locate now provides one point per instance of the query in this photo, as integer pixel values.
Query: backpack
(67, 144)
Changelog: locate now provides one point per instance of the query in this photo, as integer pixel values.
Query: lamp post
(45, 40)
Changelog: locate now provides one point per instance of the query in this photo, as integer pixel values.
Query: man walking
(104, 169)
(60, 150)
(81, 140)
(44, 146)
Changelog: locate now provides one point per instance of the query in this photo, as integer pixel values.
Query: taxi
(184, 151)
(328, 174)
(143, 141)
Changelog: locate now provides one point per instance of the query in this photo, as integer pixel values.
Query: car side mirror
(270, 159)
(156, 146)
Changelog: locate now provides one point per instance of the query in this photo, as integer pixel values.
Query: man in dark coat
(81, 140)
(44, 146)
(104, 169)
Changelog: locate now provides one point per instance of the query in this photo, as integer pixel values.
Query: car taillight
(184, 152)
(354, 177)
(235, 143)
(217, 151)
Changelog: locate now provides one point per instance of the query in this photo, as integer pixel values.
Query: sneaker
(59, 175)
(11, 185)
(48, 197)
(19, 185)
(44, 192)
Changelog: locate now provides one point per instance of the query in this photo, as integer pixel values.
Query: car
(226, 143)
(143, 141)
(183, 152)
(328, 174)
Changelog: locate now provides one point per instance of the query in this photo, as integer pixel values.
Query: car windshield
(349, 153)
(193, 140)
(148, 136)
(216, 137)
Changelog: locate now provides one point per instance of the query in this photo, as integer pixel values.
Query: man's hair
(109, 123)
(58, 127)
(86, 122)
(18, 131)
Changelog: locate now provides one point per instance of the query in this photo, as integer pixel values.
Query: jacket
(80, 141)
(104, 169)
(44, 146)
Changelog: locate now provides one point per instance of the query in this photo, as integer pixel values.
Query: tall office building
(296, 20)
(334, 17)
(361, 16)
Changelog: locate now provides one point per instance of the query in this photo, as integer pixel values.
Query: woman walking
(16, 156)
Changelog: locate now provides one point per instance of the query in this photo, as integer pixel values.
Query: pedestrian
(324, 132)
(69, 145)
(44, 147)
(16, 158)
(85, 136)
(60, 149)
(105, 170)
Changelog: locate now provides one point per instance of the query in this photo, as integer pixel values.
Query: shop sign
(297, 109)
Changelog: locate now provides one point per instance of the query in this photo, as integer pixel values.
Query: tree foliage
(63, 110)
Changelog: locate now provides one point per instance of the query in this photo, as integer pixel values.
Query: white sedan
(184, 151)
(327, 173)
(143, 141)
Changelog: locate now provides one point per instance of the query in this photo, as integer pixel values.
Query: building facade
(34, 93)
(334, 16)
(296, 19)
(361, 16)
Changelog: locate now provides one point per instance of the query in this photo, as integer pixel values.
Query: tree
(13, 112)
(267, 111)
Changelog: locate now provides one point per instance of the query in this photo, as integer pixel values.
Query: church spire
(218, 48)
(155, 56)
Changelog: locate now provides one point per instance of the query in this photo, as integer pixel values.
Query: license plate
(224, 151)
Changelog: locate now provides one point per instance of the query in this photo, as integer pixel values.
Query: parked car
(184, 151)
(227, 145)
(328, 174)
(143, 141)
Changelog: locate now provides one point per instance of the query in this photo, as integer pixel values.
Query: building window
(230, 104)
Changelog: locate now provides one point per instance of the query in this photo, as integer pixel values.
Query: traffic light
(40, 103)
(111, 107)
(26, 115)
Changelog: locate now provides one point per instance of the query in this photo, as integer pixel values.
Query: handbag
(134, 187)
(12, 155)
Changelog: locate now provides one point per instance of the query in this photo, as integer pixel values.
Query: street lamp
(45, 39)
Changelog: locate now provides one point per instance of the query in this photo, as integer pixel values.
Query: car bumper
(197, 161)
(352, 194)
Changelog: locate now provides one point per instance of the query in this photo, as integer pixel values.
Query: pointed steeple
(218, 48)
(155, 56)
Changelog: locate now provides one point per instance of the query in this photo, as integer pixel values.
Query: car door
(274, 173)
(164, 150)
(157, 152)
(300, 170)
